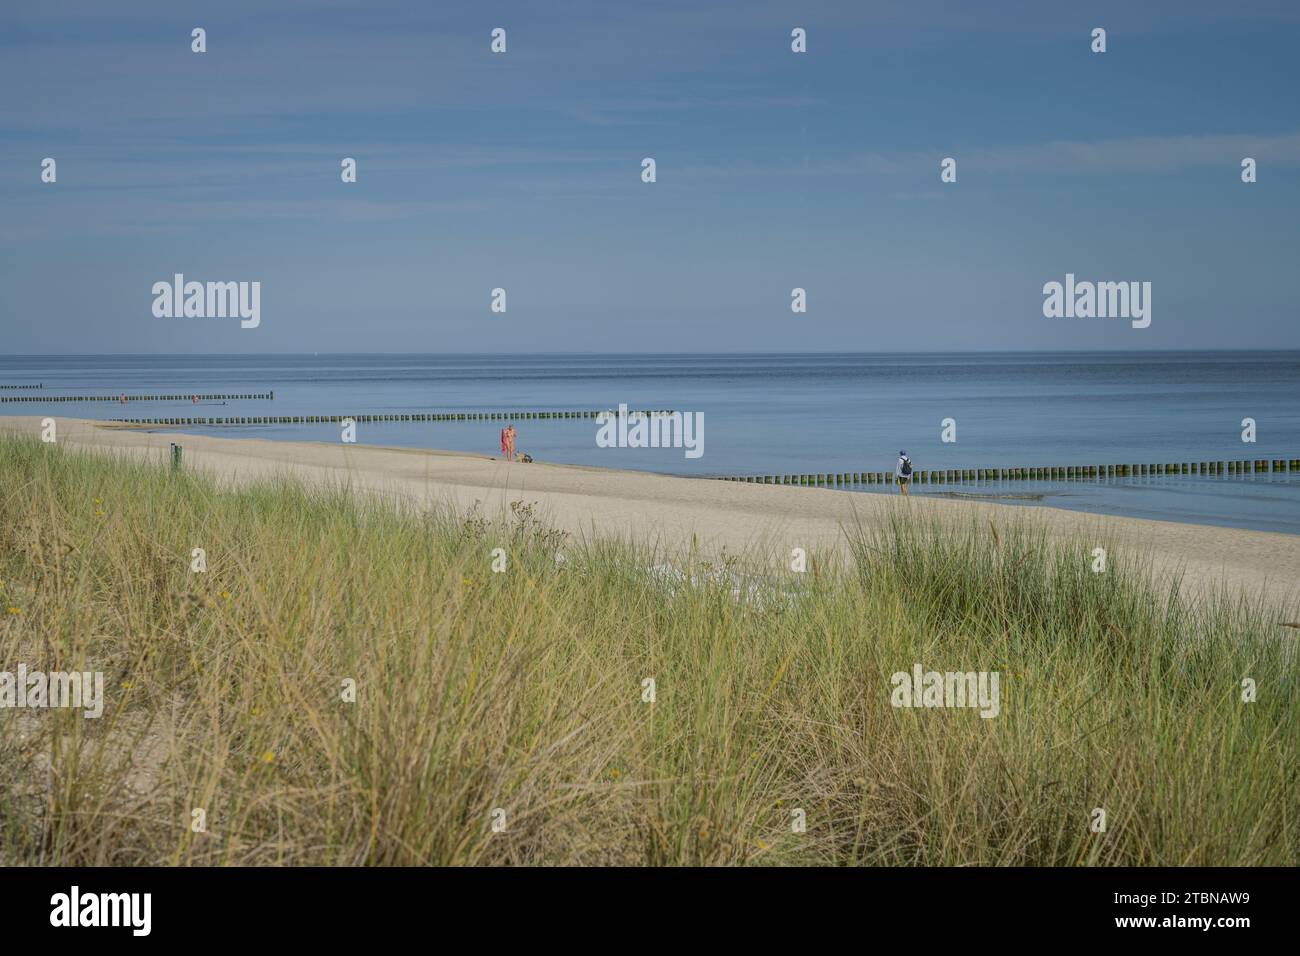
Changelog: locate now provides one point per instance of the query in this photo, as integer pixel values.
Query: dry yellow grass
(519, 696)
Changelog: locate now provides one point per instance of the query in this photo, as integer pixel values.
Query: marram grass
(517, 697)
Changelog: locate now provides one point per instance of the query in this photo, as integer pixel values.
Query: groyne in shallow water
(40, 399)
(395, 417)
(948, 476)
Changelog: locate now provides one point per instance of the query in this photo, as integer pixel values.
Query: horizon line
(622, 354)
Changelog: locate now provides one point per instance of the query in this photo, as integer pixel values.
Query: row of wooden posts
(1045, 473)
(412, 417)
(266, 396)
(11, 387)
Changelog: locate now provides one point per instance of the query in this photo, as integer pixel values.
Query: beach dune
(680, 512)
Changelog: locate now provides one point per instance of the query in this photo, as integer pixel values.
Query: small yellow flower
(126, 685)
(99, 501)
(226, 595)
(15, 610)
(254, 711)
(615, 774)
(99, 514)
(268, 757)
(762, 845)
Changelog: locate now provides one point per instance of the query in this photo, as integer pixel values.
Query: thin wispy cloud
(1145, 154)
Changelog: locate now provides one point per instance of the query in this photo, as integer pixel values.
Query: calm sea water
(781, 414)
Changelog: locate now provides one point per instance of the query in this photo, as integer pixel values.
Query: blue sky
(522, 170)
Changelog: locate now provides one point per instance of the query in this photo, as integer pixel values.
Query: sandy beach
(676, 512)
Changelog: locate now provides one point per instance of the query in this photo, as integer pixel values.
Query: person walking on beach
(510, 442)
(505, 442)
(903, 472)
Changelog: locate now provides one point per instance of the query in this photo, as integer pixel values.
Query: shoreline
(681, 512)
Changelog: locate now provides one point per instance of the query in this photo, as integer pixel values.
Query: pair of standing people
(508, 436)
